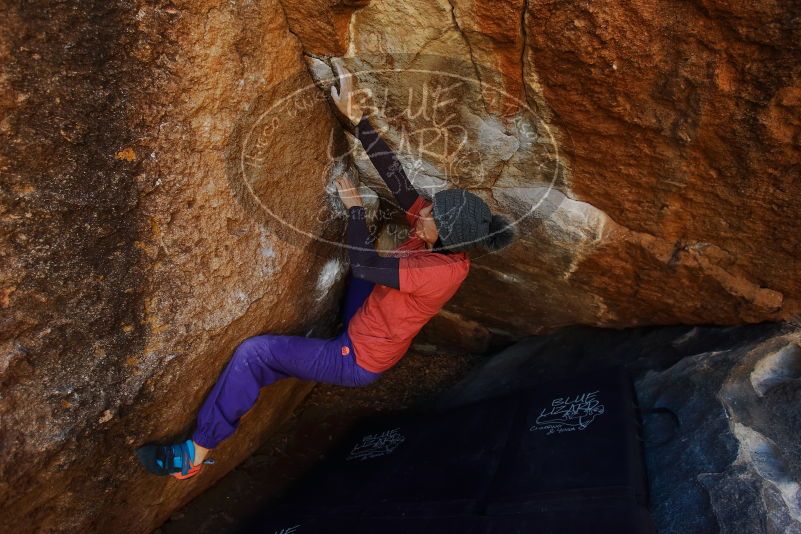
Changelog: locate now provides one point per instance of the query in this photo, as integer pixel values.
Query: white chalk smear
(330, 273)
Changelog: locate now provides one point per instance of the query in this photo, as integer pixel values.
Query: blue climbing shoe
(174, 460)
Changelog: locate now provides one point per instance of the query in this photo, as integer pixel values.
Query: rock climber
(387, 301)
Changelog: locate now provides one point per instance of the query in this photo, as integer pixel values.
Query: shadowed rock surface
(733, 463)
(154, 214)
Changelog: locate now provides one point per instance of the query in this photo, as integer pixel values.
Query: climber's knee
(251, 350)
(254, 361)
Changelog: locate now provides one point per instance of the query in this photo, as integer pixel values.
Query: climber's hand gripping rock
(346, 99)
(348, 192)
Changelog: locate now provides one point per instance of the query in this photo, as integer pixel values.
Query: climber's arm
(387, 164)
(365, 263)
(349, 112)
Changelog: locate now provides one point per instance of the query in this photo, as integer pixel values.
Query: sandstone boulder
(648, 154)
(136, 254)
(164, 179)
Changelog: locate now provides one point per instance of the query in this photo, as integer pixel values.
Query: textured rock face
(650, 153)
(733, 463)
(739, 408)
(706, 93)
(163, 179)
(133, 261)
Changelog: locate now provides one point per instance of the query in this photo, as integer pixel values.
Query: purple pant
(261, 360)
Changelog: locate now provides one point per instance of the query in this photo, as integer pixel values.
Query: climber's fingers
(344, 184)
(345, 78)
(346, 188)
(347, 100)
(347, 192)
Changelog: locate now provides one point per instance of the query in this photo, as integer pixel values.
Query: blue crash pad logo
(568, 414)
(375, 445)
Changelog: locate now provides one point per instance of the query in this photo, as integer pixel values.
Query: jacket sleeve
(387, 164)
(365, 262)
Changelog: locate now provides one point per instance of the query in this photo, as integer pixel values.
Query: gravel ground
(327, 414)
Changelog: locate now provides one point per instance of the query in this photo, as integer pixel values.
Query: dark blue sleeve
(365, 262)
(387, 164)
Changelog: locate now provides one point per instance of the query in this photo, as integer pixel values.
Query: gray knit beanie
(464, 221)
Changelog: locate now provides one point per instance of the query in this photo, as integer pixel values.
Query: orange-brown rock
(322, 25)
(134, 257)
(666, 167)
(672, 121)
(164, 171)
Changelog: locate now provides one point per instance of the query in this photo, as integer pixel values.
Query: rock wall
(164, 169)
(133, 262)
(649, 153)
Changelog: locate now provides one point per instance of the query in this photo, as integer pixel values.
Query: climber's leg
(236, 390)
(260, 361)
